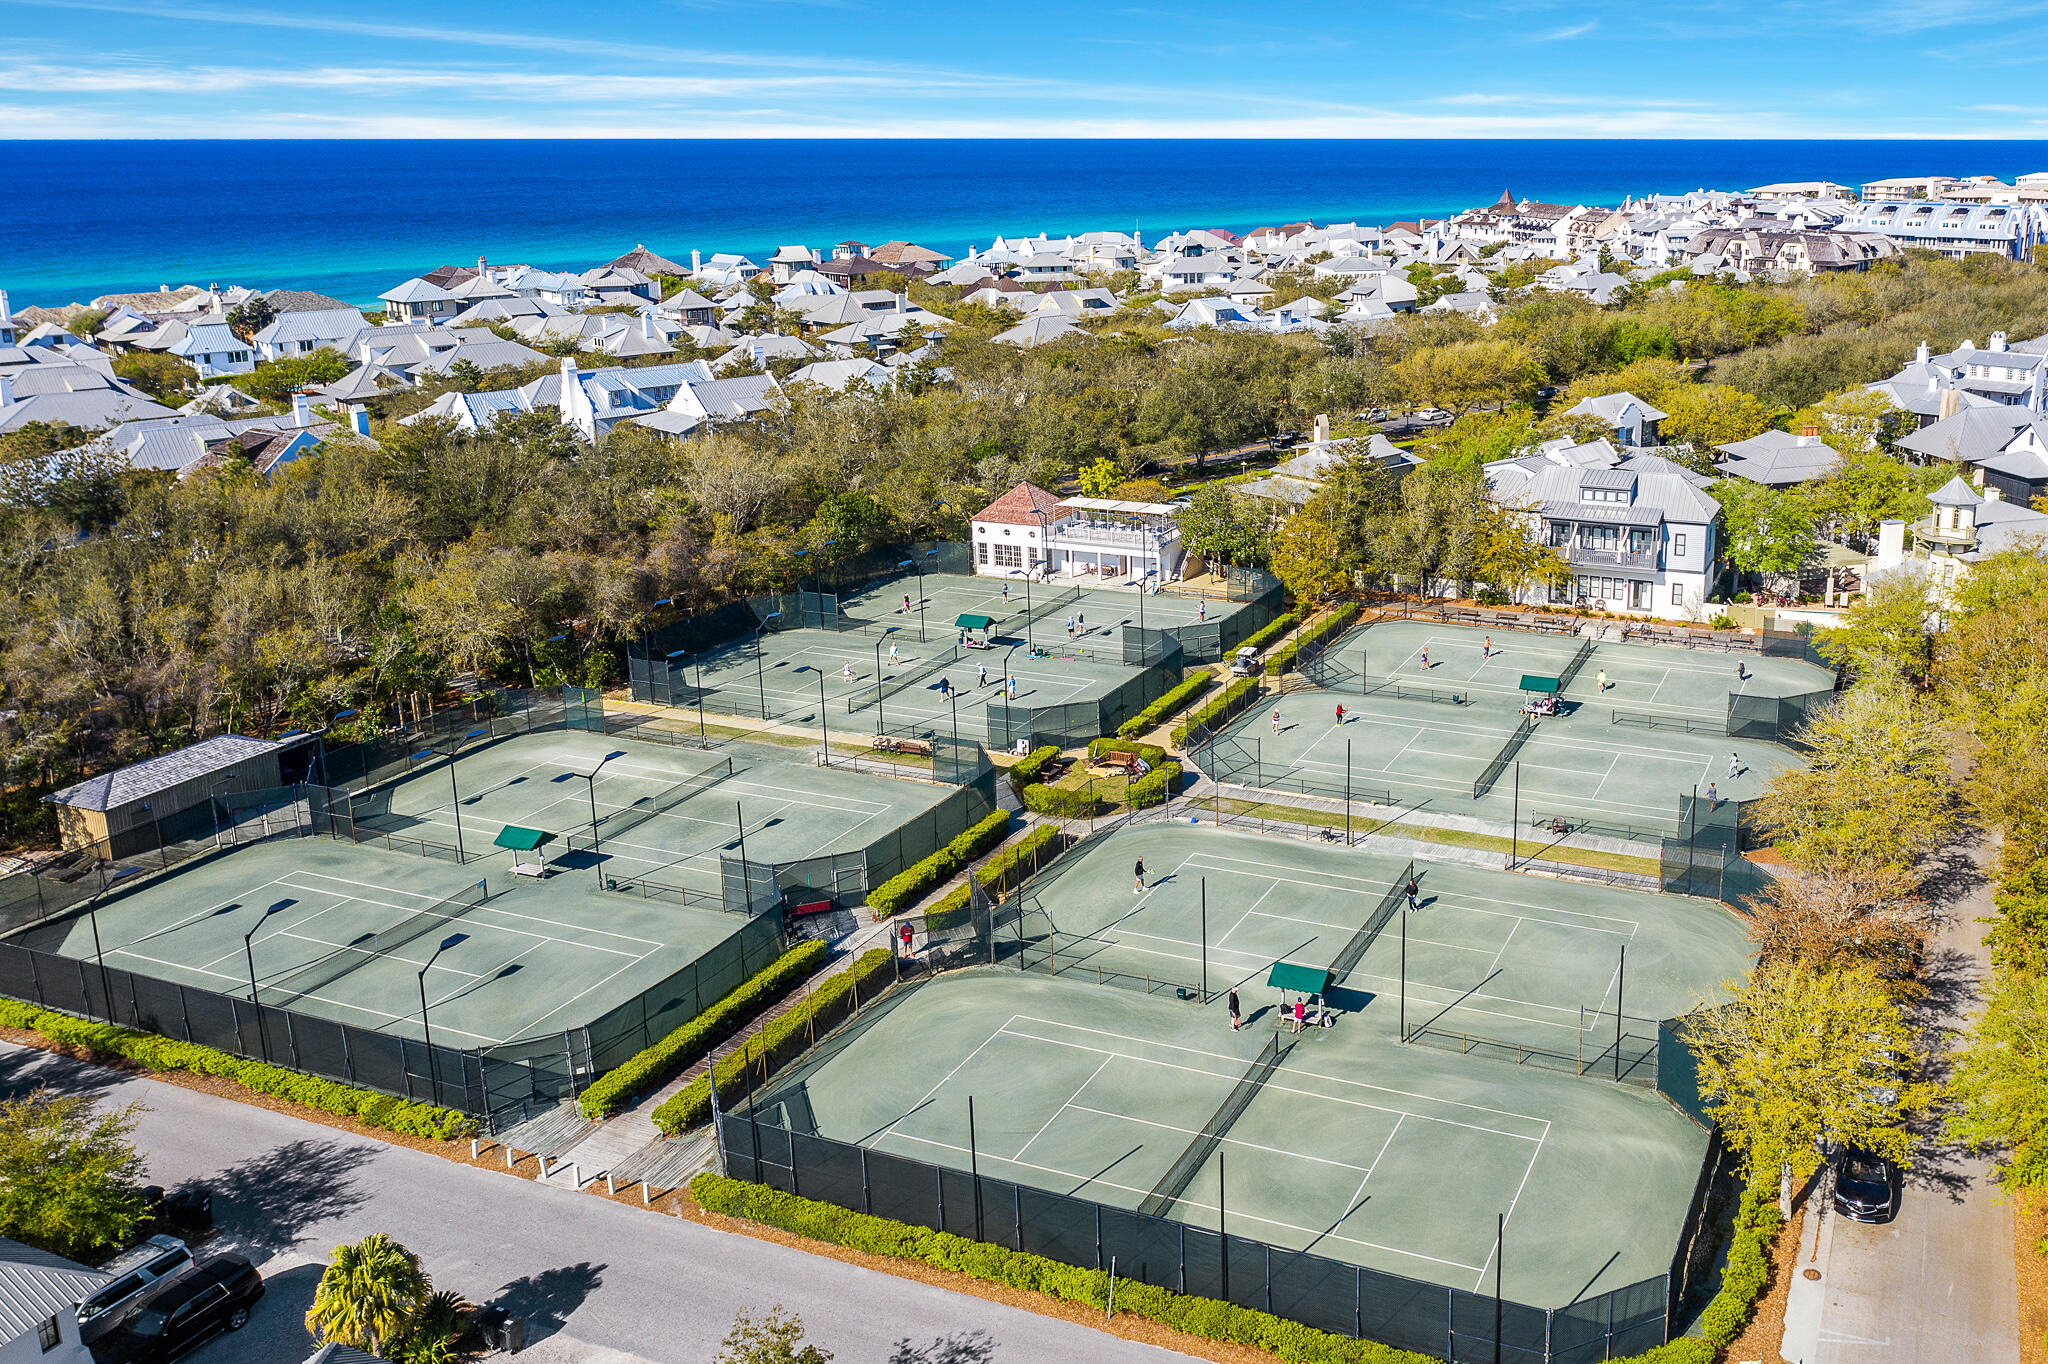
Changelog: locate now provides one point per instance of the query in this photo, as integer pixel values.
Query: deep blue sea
(352, 218)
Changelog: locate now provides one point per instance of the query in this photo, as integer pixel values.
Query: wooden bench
(1129, 763)
(889, 743)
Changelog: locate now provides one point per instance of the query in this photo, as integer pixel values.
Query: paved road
(599, 1282)
(1937, 1282)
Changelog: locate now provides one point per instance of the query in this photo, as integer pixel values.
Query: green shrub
(1150, 718)
(1153, 788)
(911, 884)
(1748, 1269)
(1206, 1318)
(1234, 698)
(1272, 630)
(1027, 770)
(151, 1052)
(1059, 802)
(1153, 754)
(652, 1067)
(1002, 871)
(1339, 617)
(780, 1039)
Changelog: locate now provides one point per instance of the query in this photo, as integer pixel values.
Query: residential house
(556, 288)
(725, 270)
(910, 255)
(1961, 528)
(1999, 448)
(1778, 459)
(787, 260)
(613, 286)
(1955, 230)
(690, 308)
(648, 263)
(1633, 421)
(73, 395)
(758, 351)
(415, 300)
(840, 375)
(1800, 189)
(302, 333)
(182, 444)
(7, 329)
(1294, 481)
(1037, 330)
(39, 1297)
(1639, 535)
(1102, 541)
(700, 406)
(213, 350)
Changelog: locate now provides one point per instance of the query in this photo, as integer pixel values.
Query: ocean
(353, 218)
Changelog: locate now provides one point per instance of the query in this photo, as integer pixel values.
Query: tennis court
(1666, 680)
(1355, 1148)
(355, 932)
(1488, 954)
(1061, 644)
(664, 815)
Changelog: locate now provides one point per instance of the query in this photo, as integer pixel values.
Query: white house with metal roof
(1960, 529)
(1640, 535)
(39, 1297)
(303, 333)
(1633, 421)
(213, 349)
(415, 300)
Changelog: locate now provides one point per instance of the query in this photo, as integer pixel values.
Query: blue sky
(1049, 68)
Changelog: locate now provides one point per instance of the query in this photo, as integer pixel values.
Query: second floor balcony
(1608, 555)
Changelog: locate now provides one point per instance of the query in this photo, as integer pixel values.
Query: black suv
(1866, 1186)
(182, 1313)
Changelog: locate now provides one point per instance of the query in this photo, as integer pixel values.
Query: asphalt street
(599, 1282)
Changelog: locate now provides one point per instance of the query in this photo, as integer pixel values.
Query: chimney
(568, 371)
(1809, 435)
(647, 326)
(1951, 403)
(359, 420)
(482, 268)
(4, 314)
(1920, 354)
(696, 261)
(302, 411)
(1991, 494)
(1322, 427)
(1968, 344)
(1998, 341)
(1891, 543)
(6, 391)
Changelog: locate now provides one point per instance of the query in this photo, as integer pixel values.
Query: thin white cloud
(1558, 35)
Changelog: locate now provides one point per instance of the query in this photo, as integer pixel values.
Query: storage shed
(145, 804)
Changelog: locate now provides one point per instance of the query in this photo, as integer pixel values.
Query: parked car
(1546, 391)
(1866, 1186)
(1284, 440)
(1432, 414)
(1245, 662)
(1373, 414)
(179, 1314)
(159, 1257)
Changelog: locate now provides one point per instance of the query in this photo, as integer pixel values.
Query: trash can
(513, 1337)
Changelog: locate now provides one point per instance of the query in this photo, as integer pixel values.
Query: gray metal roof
(139, 781)
(1607, 478)
(36, 1285)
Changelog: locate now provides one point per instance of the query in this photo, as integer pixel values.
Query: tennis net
(910, 676)
(1649, 719)
(1578, 661)
(1354, 951)
(640, 811)
(1039, 609)
(1182, 1172)
(1500, 761)
(1405, 691)
(325, 970)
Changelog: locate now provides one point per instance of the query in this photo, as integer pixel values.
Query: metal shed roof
(139, 781)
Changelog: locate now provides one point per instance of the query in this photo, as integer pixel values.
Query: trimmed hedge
(1339, 617)
(916, 881)
(1059, 802)
(1206, 1318)
(778, 1041)
(164, 1053)
(652, 1067)
(1153, 788)
(1748, 1269)
(1272, 630)
(1154, 715)
(1153, 754)
(1001, 871)
(1025, 770)
(1233, 699)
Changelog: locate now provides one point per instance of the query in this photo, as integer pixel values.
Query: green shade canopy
(970, 621)
(1308, 980)
(520, 839)
(1537, 682)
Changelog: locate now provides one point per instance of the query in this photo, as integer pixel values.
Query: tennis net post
(1500, 760)
(1189, 1163)
(1354, 951)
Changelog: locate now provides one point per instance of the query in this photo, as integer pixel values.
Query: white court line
(1512, 1203)
(1106, 1059)
(1273, 1084)
(926, 1097)
(1226, 1140)
(1237, 1215)
(1251, 910)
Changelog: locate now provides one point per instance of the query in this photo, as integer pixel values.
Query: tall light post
(590, 780)
(1143, 578)
(1018, 572)
(249, 953)
(454, 792)
(1003, 681)
(824, 725)
(878, 675)
(760, 685)
(433, 1069)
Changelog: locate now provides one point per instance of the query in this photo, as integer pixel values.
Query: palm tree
(369, 1296)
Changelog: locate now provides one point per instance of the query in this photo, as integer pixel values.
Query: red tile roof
(1017, 506)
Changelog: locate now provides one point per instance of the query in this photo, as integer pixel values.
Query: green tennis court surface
(665, 815)
(1357, 1146)
(537, 958)
(1061, 644)
(1430, 735)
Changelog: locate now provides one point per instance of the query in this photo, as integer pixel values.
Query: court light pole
(590, 781)
(1016, 573)
(879, 727)
(1500, 1231)
(761, 686)
(917, 568)
(433, 1070)
(461, 858)
(249, 953)
(824, 725)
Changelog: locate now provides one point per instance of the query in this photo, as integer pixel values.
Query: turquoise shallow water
(351, 218)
